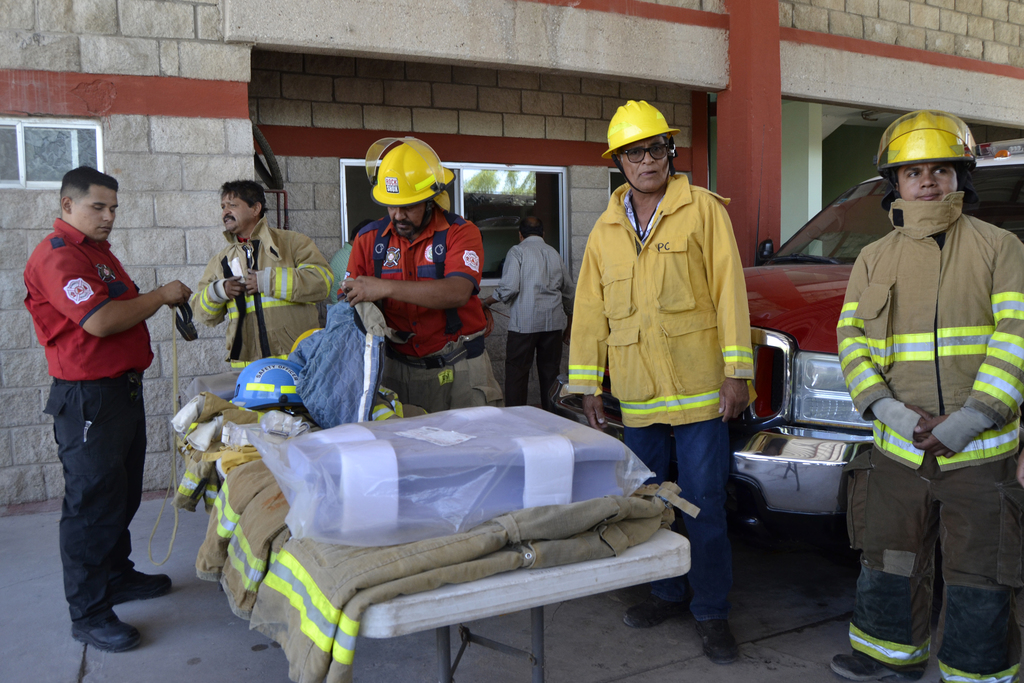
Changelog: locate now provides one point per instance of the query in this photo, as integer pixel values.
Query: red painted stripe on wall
(906, 54)
(646, 10)
(352, 144)
(76, 94)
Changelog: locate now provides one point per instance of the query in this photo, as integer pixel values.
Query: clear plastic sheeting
(397, 481)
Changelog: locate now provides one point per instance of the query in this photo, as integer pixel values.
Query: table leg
(444, 654)
(537, 636)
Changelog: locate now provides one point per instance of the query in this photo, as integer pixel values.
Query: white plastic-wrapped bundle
(396, 481)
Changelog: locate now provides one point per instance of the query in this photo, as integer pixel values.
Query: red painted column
(750, 125)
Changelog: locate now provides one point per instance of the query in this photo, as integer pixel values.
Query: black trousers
(519, 350)
(100, 429)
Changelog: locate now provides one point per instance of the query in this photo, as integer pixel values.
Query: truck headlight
(819, 392)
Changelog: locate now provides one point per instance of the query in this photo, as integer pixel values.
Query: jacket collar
(262, 232)
(918, 220)
(677, 195)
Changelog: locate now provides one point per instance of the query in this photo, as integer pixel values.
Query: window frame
(457, 198)
(66, 124)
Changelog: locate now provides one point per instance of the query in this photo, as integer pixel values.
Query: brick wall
(979, 29)
(139, 37)
(168, 169)
(343, 92)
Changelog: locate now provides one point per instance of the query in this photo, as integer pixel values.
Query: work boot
(653, 611)
(106, 632)
(719, 645)
(860, 667)
(133, 585)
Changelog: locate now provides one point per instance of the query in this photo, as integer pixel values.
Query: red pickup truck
(790, 445)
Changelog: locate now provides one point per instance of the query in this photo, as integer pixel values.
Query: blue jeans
(702, 458)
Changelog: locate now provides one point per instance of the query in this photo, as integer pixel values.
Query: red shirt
(69, 277)
(414, 262)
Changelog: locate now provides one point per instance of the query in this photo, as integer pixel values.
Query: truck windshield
(856, 218)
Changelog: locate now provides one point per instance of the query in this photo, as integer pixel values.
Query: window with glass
(36, 153)
(495, 197)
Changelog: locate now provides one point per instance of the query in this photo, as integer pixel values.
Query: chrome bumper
(798, 470)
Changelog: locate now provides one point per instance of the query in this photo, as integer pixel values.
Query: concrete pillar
(801, 165)
(749, 124)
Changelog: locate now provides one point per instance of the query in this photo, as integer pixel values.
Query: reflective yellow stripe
(1008, 348)
(426, 182)
(848, 316)
(1008, 305)
(738, 354)
(318, 618)
(887, 651)
(256, 386)
(227, 519)
(668, 403)
(207, 304)
(951, 675)
(265, 301)
(989, 444)
(999, 384)
(326, 274)
(866, 378)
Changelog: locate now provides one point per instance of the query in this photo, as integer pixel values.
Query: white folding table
(664, 555)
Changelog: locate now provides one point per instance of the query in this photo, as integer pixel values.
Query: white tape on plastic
(369, 486)
(477, 413)
(549, 462)
(349, 433)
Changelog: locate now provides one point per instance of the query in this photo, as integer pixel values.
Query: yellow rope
(174, 453)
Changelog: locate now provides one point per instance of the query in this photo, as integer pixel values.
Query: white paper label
(438, 437)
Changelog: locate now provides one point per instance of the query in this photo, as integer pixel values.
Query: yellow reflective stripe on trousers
(848, 317)
(999, 384)
(1008, 305)
(1008, 348)
(668, 403)
(319, 620)
(951, 675)
(227, 519)
(887, 651)
(737, 354)
(990, 443)
(245, 562)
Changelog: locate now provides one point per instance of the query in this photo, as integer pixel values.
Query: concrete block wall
(167, 228)
(980, 29)
(138, 37)
(321, 91)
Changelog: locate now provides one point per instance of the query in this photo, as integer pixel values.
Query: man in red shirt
(424, 264)
(89, 316)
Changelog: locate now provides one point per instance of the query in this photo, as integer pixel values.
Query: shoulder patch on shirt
(472, 260)
(78, 290)
(56, 242)
(105, 272)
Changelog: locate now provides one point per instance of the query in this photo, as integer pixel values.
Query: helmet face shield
(405, 171)
(926, 136)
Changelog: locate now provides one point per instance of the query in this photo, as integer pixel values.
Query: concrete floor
(790, 612)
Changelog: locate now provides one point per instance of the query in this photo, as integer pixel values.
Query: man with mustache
(265, 281)
(423, 264)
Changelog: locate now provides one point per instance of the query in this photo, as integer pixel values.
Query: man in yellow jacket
(266, 282)
(931, 342)
(661, 299)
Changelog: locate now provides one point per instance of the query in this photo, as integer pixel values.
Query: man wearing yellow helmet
(931, 342)
(424, 264)
(661, 298)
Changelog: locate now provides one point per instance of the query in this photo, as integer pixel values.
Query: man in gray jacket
(538, 287)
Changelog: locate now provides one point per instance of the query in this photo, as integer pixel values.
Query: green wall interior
(847, 158)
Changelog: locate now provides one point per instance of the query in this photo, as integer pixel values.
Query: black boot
(134, 585)
(106, 632)
(719, 645)
(653, 611)
(860, 667)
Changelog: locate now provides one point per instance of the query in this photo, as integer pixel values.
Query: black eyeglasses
(636, 155)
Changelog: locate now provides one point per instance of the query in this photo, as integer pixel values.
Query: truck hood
(801, 300)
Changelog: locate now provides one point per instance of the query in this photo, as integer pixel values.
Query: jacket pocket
(617, 284)
(856, 474)
(630, 375)
(1010, 567)
(676, 294)
(875, 309)
(694, 351)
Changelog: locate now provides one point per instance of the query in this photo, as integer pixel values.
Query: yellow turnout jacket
(669, 315)
(938, 328)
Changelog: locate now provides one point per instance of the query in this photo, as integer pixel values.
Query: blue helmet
(269, 382)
